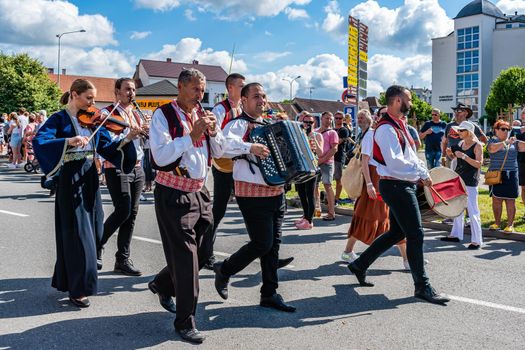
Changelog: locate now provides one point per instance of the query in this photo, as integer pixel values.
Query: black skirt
(79, 220)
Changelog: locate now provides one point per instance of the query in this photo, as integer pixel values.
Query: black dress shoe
(221, 281)
(450, 239)
(99, 258)
(284, 262)
(83, 303)
(165, 300)
(360, 274)
(209, 264)
(191, 334)
(473, 246)
(276, 301)
(429, 294)
(126, 267)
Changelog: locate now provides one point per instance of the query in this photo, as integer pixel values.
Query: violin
(92, 116)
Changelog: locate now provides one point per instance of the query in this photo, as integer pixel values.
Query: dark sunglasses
(461, 130)
(338, 117)
(504, 129)
(434, 114)
(310, 123)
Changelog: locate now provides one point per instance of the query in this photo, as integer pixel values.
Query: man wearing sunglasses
(451, 139)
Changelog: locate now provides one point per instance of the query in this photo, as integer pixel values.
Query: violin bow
(103, 122)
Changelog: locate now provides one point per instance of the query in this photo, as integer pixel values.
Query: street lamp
(59, 36)
(291, 84)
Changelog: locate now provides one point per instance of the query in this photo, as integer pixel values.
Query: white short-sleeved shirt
(367, 146)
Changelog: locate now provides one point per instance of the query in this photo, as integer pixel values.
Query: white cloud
(268, 33)
(158, 5)
(510, 6)
(385, 70)
(294, 13)
(77, 61)
(227, 9)
(189, 49)
(324, 72)
(139, 35)
(270, 56)
(334, 22)
(406, 28)
(37, 22)
(189, 15)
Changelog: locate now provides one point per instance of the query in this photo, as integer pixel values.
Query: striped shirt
(496, 159)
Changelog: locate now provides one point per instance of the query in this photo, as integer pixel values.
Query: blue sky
(274, 39)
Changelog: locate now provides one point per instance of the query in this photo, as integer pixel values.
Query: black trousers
(222, 190)
(405, 222)
(125, 190)
(185, 223)
(306, 192)
(263, 217)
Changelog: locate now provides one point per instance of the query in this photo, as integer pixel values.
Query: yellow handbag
(493, 177)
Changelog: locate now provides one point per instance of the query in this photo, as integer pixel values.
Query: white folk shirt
(132, 120)
(236, 146)
(166, 150)
(403, 166)
(220, 112)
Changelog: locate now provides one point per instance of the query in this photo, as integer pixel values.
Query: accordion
(290, 159)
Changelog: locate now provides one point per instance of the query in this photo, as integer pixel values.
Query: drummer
(399, 169)
(469, 155)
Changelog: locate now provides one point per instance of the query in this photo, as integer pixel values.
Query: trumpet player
(183, 138)
(125, 189)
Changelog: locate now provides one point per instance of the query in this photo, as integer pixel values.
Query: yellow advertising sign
(353, 42)
(352, 52)
(352, 81)
(352, 61)
(363, 56)
(353, 32)
(151, 104)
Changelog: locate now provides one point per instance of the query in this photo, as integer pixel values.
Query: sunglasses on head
(306, 122)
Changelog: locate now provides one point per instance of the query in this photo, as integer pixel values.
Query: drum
(447, 199)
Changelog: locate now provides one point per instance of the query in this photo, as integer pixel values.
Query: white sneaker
(11, 166)
(348, 257)
(142, 198)
(20, 165)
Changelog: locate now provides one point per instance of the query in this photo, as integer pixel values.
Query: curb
(515, 236)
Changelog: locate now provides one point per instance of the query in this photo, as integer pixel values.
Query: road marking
(13, 213)
(226, 255)
(487, 304)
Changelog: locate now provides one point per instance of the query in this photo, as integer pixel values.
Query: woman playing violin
(66, 149)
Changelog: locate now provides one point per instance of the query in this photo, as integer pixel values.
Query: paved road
(488, 288)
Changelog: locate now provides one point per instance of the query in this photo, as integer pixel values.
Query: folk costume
(78, 205)
(182, 205)
(262, 208)
(125, 191)
(222, 168)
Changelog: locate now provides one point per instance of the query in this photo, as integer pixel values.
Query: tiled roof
(161, 88)
(317, 106)
(105, 86)
(166, 69)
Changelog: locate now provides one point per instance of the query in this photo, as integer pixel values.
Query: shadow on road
(136, 331)
(310, 311)
(22, 297)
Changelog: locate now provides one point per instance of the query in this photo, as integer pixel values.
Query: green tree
(24, 83)
(508, 88)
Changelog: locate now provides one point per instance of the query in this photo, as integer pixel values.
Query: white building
(484, 42)
(149, 72)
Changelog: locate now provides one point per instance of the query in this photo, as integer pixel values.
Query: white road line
(226, 255)
(13, 213)
(488, 304)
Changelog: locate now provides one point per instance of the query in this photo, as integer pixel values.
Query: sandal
(328, 218)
